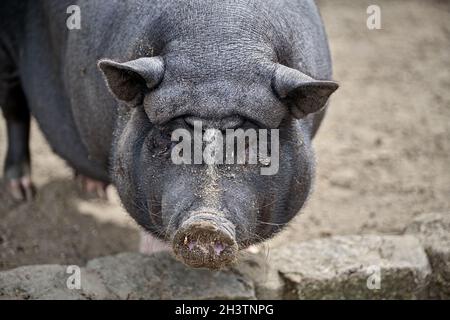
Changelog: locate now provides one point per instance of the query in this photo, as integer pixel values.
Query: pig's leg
(17, 169)
(91, 187)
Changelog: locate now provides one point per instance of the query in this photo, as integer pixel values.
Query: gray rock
(160, 276)
(126, 276)
(48, 282)
(433, 231)
(268, 283)
(338, 267)
(342, 267)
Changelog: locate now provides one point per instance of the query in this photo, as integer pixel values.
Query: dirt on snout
(383, 152)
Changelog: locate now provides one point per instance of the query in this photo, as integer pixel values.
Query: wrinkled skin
(219, 62)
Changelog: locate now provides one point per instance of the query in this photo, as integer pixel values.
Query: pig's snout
(206, 240)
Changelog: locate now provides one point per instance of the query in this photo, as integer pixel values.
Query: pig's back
(66, 92)
(43, 70)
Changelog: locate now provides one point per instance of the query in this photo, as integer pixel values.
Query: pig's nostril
(218, 248)
(191, 244)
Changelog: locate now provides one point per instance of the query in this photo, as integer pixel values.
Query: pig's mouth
(206, 240)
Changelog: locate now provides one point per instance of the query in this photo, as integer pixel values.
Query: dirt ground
(383, 152)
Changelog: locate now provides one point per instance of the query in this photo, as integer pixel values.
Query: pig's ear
(130, 80)
(303, 94)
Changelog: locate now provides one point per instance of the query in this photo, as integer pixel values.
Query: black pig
(228, 64)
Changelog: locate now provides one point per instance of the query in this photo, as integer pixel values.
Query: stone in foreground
(433, 231)
(349, 267)
(160, 276)
(125, 276)
(345, 267)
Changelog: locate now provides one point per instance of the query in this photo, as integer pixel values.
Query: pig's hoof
(203, 244)
(21, 189)
(91, 188)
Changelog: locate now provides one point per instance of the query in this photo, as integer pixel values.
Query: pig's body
(212, 51)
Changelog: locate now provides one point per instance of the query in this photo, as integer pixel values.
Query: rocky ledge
(411, 266)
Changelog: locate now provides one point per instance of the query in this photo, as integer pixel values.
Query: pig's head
(209, 212)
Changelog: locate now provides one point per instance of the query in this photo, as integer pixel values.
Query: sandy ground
(383, 152)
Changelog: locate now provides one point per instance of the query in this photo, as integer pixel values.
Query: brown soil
(383, 152)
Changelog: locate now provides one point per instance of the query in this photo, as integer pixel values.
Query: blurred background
(383, 151)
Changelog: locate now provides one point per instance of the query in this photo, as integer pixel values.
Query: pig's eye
(250, 124)
(160, 141)
(173, 124)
